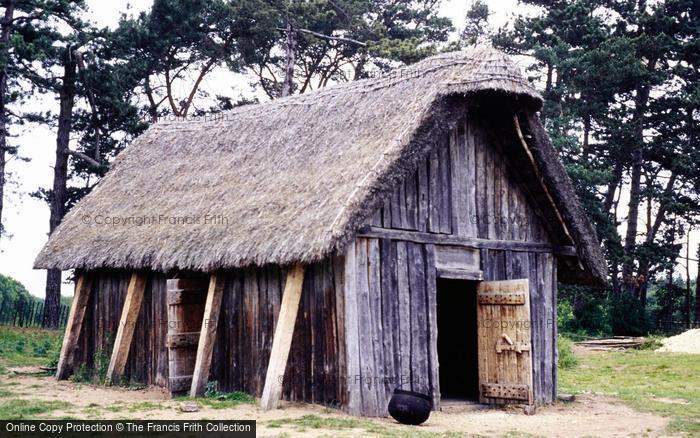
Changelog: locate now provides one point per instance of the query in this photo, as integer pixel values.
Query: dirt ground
(588, 415)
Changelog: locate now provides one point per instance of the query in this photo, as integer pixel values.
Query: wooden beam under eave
(75, 321)
(127, 324)
(207, 335)
(272, 391)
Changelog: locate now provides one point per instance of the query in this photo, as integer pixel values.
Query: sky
(26, 218)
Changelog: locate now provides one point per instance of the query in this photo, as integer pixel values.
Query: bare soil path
(589, 415)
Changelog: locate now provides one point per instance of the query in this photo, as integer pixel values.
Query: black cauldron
(408, 407)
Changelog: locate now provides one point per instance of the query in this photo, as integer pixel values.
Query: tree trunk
(52, 303)
(686, 305)
(641, 100)
(290, 49)
(697, 291)
(612, 187)
(5, 42)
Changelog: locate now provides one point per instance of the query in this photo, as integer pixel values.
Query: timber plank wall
(249, 311)
(467, 187)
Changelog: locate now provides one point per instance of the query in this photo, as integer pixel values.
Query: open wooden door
(504, 341)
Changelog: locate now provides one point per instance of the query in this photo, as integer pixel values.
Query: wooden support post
(75, 321)
(127, 323)
(207, 335)
(282, 341)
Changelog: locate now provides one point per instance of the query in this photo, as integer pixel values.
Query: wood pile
(615, 343)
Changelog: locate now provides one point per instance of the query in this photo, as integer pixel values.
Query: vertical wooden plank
(376, 330)
(411, 193)
(390, 319)
(458, 170)
(397, 201)
(535, 317)
(434, 192)
(376, 219)
(423, 196)
(445, 186)
(404, 312)
(470, 176)
(127, 323)
(83, 285)
(386, 213)
(419, 320)
(207, 334)
(481, 187)
(283, 337)
(545, 281)
(555, 334)
(352, 332)
(431, 304)
(367, 363)
(340, 325)
(490, 187)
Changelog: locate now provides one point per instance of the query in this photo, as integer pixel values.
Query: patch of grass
(368, 427)
(21, 346)
(215, 399)
(651, 343)
(567, 358)
(144, 406)
(662, 383)
(16, 409)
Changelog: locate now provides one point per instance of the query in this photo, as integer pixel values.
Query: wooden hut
(407, 230)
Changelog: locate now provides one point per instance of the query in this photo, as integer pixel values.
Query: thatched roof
(284, 181)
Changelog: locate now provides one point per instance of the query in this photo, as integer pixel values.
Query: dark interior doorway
(457, 339)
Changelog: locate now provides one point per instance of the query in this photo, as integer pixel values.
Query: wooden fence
(24, 313)
(675, 327)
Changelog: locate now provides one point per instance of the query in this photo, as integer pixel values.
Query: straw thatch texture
(284, 181)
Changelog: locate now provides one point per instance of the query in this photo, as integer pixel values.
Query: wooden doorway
(457, 342)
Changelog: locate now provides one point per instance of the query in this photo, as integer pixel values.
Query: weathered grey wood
(352, 332)
(423, 195)
(431, 305)
(390, 317)
(458, 171)
(404, 311)
(490, 166)
(396, 203)
(468, 242)
(76, 315)
(457, 257)
(460, 274)
(386, 212)
(207, 335)
(403, 211)
(535, 316)
(367, 364)
(375, 313)
(445, 186)
(376, 218)
(411, 193)
(481, 185)
(555, 334)
(340, 324)
(283, 338)
(127, 323)
(419, 320)
(434, 203)
(470, 175)
(549, 342)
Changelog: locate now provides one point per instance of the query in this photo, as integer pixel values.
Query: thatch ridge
(293, 178)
